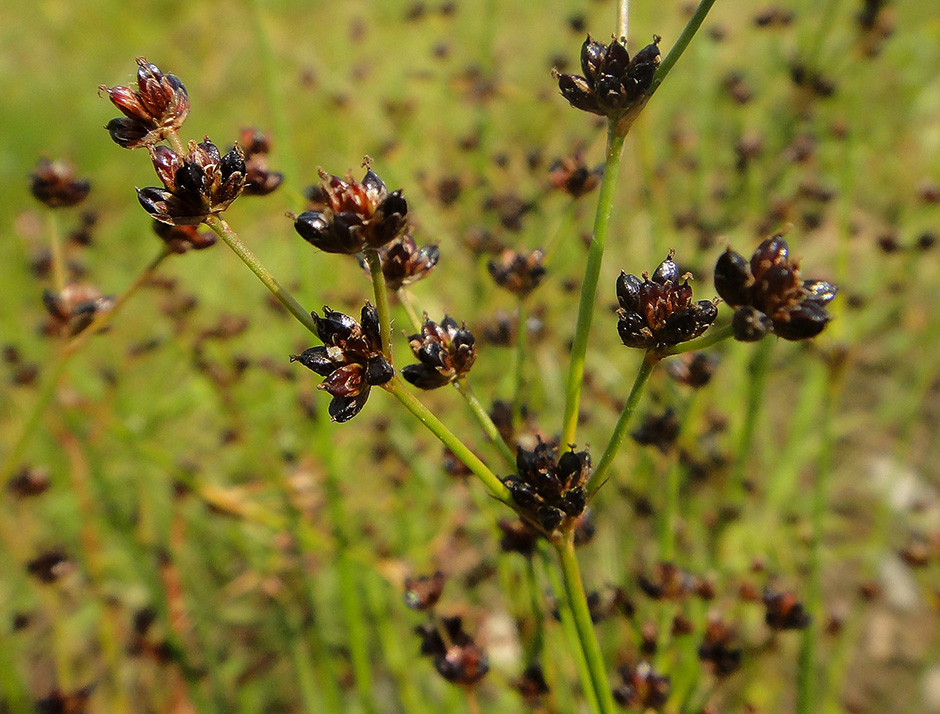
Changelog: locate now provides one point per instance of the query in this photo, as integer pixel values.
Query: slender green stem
(404, 297)
(807, 694)
(519, 377)
(463, 386)
(709, 339)
(757, 381)
(589, 286)
(499, 491)
(571, 630)
(694, 23)
(623, 19)
(57, 254)
(650, 360)
(175, 143)
(574, 590)
(381, 302)
(57, 369)
(224, 231)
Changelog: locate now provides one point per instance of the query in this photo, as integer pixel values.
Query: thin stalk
(381, 302)
(57, 369)
(449, 439)
(623, 19)
(479, 411)
(589, 286)
(519, 377)
(57, 254)
(691, 27)
(175, 143)
(224, 231)
(650, 360)
(587, 637)
(807, 681)
(571, 632)
(404, 297)
(756, 383)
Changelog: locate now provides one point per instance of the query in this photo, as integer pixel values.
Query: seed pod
(54, 184)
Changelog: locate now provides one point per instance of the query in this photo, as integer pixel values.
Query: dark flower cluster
(784, 611)
(54, 184)
(769, 296)
(423, 592)
(571, 175)
(641, 688)
(549, 491)
(73, 309)
(519, 273)
(198, 184)
(404, 263)
(151, 112)
(350, 358)
(717, 650)
(445, 352)
(658, 311)
(613, 82)
(667, 581)
(349, 216)
(181, 239)
(260, 180)
(457, 657)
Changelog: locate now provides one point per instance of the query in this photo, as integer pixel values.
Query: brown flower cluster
(54, 184)
(445, 351)
(73, 309)
(260, 180)
(198, 184)
(403, 262)
(350, 359)
(519, 273)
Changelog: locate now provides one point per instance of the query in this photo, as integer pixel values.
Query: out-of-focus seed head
(28, 482)
(531, 685)
(181, 239)
(518, 537)
(72, 310)
(198, 184)
(659, 430)
(50, 566)
(349, 216)
(259, 179)
(693, 370)
(549, 491)
(350, 359)
(459, 660)
(571, 175)
(403, 262)
(784, 611)
(717, 651)
(667, 581)
(151, 112)
(445, 351)
(658, 311)
(519, 273)
(769, 295)
(612, 83)
(423, 592)
(54, 184)
(641, 688)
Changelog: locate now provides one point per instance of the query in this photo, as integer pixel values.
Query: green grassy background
(244, 569)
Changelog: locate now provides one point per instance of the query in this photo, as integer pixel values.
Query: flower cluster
(641, 688)
(769, 295)
(349, 216)
(151, 112)
(180, 239)
(350, 358)
(54, 184)
(260, 180)
(572, 176)
(73, 309)
(613, 82)
(547, 490)
(519, 273)
(658, 311)
(457, 657)
(445, 352)
(198, 184)
(403, 262)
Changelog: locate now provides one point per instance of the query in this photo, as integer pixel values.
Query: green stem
(396, 388)
(519, 379)
(57, 369)
(381, 301)
(224, 231)
(463, 386)
(571, 631)
(175, 143)
(650, 360)
(692, 26)
(757, 381)
(57, 254)
(587, 637)
(807, 695)
(589, 286)
(404, 297)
